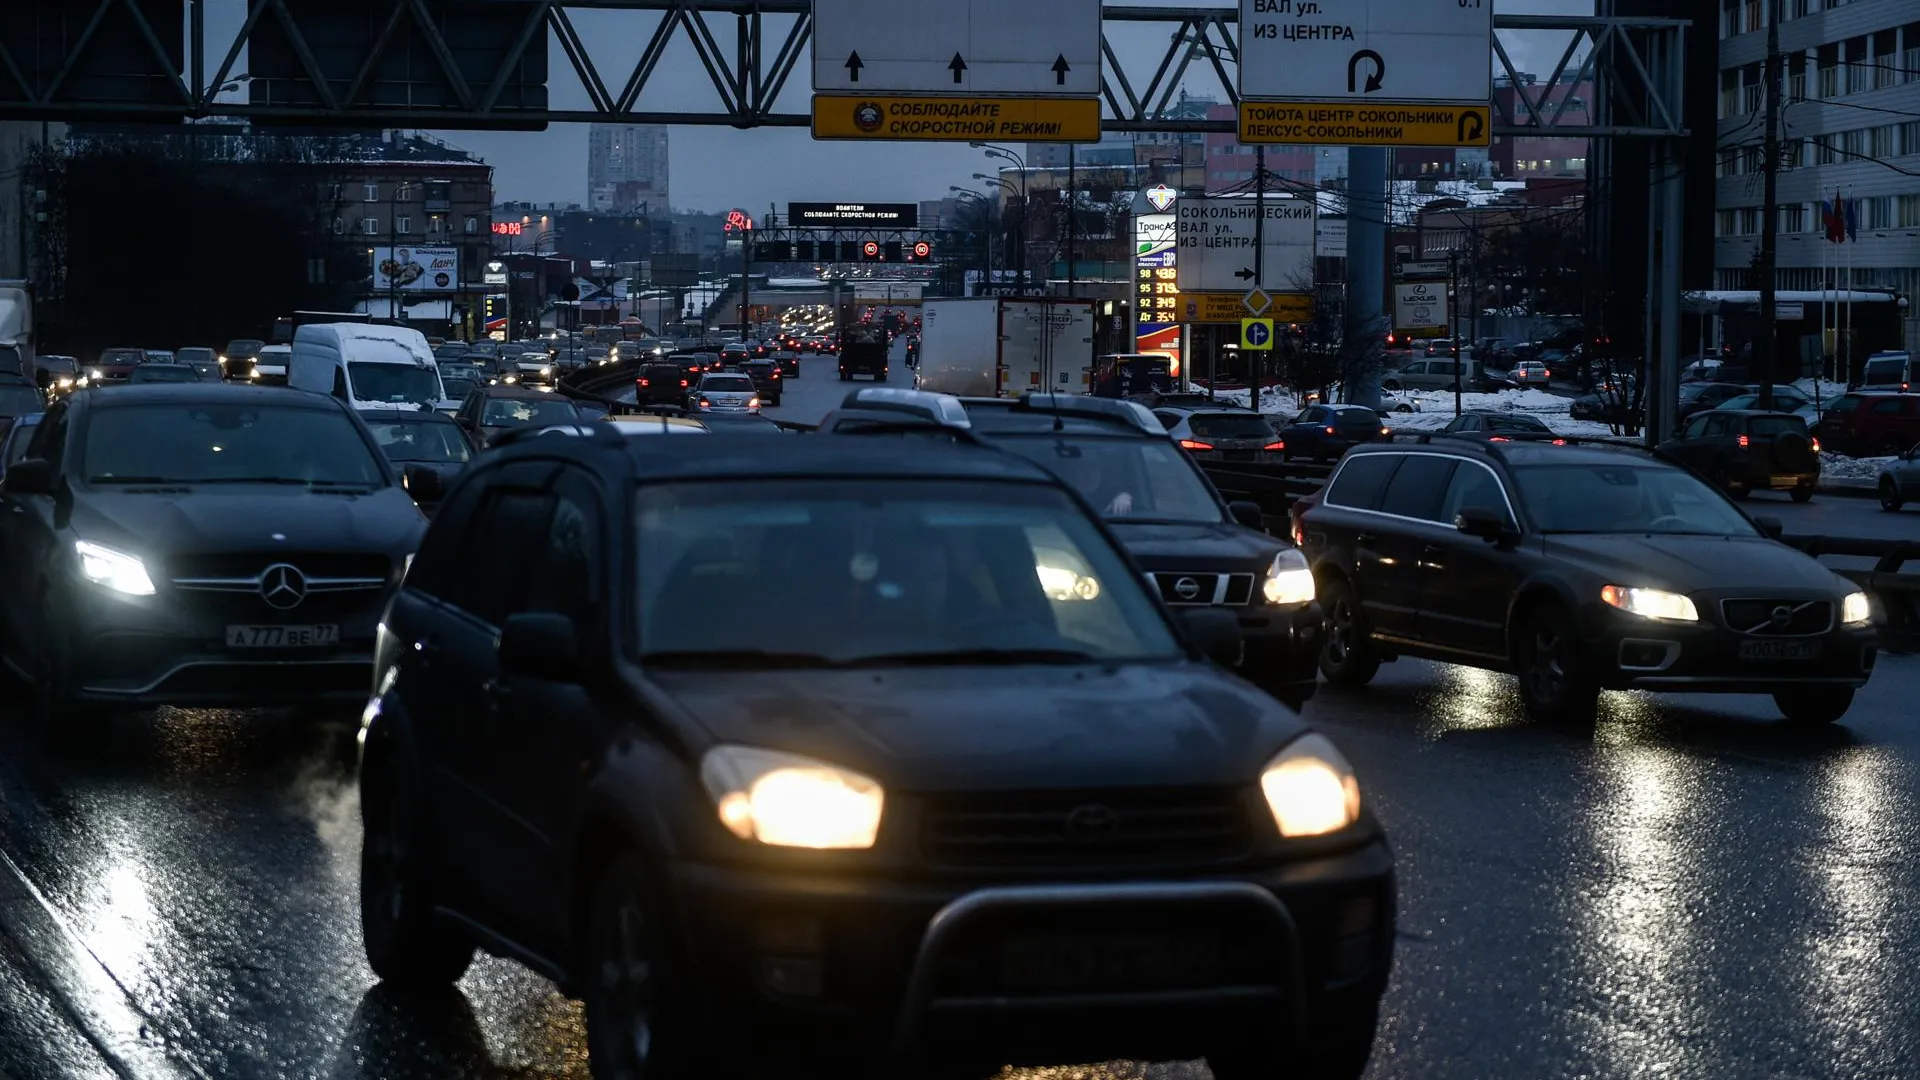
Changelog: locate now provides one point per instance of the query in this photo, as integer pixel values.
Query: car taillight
(1331, 430)
(705, 403)
(1559, 442)
(1299, 533)
(1194, 444)
(1277, 444)
(1745, 442)
(644, 382)
(1499, 438)
(683, 384)
(1816, 446)
(1545, 374)
(1384, 430)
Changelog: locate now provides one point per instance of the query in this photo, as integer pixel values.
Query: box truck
(994, 346)
(16, 328)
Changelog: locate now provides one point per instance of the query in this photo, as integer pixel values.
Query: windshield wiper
(975, 657)
(737, 660)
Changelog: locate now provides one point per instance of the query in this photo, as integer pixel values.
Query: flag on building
(1853, 218)
(1832, 217)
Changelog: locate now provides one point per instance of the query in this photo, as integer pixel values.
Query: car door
(1688, 447)
(546, 734)
(1414, 376)
(506, 533)
(1309, 429)
(1402, 538)
(1885, 425)
(1467, 584)
(28, 531)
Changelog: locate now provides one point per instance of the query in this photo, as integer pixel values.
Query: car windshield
(421, 440)
(1230, 426)
(515, 412)
(398, 383)
(20, 400)
(198, 443)
(841, 573)
(730, 384)
(1776, 425)
(1357, 415)
(242, 347)
(163, 373)
(1157, 481)
(1625, 498)
(458, 386)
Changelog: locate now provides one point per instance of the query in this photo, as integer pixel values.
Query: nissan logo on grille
(282, 586)
(1186, 588)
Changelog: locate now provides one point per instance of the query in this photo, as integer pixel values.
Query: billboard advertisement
(416, 269)
(1420, 308)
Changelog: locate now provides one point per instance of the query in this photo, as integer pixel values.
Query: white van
(368, 367)
(271, 366)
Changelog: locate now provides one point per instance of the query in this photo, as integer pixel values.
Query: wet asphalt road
(1691, 891)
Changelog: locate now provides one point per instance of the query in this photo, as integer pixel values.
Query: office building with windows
(1849, 126)
(627, 168)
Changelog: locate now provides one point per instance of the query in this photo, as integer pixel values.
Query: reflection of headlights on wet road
(1856, 610)
(1289, 581)
(791, 801)
(1311, 789)
(115, 570)
(1651, 603)
(1060, 583)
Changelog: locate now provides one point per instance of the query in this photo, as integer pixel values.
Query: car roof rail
(943, 410)
(1131, 413)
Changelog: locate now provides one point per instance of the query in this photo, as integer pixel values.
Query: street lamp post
(1001, 152)
(393, 247)
(1020, 239)
(986, 230)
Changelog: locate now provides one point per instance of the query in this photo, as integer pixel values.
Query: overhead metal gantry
(485, 64)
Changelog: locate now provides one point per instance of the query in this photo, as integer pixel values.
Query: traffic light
(892, 251)
(870, 251)
(803, 251)
(775, 251)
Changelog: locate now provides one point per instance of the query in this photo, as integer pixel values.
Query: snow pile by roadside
(1840, 467)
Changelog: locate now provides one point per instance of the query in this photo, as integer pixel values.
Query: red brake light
(683, 383)
(1277, 444)
(1499, 438)
(1816, 446)
(1299, 533)
(1545, 374)
(1559, 442)
(644, 382)
(1194, 444)
(1331, 430)
(1744, 442)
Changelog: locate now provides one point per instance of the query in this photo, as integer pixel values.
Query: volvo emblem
(282, 586)
(1782, 617)
(1186, 588)
(1092, 822)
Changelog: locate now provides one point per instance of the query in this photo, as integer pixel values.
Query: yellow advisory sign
(1220, 307)
(956, 119)
(1340, 123)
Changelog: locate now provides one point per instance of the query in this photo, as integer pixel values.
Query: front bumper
(1283, 648)
(171, 648)
(1025, 973)
(1644, 654)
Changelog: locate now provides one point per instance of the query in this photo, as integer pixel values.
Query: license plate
(1237, 455)
(1779, 650)
(283, 637)
(1106, 962)
(1786, 481)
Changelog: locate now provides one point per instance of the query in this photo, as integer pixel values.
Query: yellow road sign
(1256, 334)
(1230, 308)
(956, 119)
(1339, 123)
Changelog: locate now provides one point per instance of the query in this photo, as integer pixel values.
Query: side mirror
(464, 421)
(1478, 521)
(541, 645)
(1248, 514)
(1216, 633)
(29, 476)
(422, 483)
(1772, 526)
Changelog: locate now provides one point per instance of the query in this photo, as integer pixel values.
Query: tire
(56, 716)
(1801, 494)
(1346, 656)
(1815, 706)
(1890, 499)
(640, 1021)
(1337, 1048)
(1546, 655)
(405, 944)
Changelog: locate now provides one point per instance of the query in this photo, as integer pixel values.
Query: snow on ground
(1836, 467)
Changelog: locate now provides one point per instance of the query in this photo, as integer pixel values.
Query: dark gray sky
(716, 168)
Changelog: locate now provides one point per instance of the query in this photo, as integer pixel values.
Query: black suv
(664, 383)
(1579, 569)
(1197, 550)
(845, 755)
(766, 379)
(1746, 450)
(197, 544)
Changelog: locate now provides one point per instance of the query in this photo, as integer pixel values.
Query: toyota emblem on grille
(1186, 588)
(282, 586)
(1092, 822)
(1782, 617)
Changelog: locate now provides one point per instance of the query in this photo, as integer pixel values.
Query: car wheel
(58, 718)
(639, 1025)
(1347, 657)
(1814, 706)
(1551, 685)
(405, 944)
(1801, 494)
(1890, 499)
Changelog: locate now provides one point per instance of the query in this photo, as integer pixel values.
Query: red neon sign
(506, 228)
(738, 221)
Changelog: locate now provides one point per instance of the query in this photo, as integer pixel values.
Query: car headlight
(1310, 788)
(115, 570)
(65, 380)
(753, 403)
(1289, 580)
(791, 801)
(548, 370)
(1650, 603)
(254, 374)
(95, 373)
(1856, 610)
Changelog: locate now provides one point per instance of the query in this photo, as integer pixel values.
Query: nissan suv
(1579, 569)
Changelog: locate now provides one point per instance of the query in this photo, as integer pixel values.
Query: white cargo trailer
(994, 346)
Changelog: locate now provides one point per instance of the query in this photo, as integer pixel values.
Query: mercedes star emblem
(1186, 588)
(282, 586)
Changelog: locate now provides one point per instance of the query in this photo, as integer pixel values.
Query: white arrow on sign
(957, 47)
(1214, 237)
(1366, 50)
